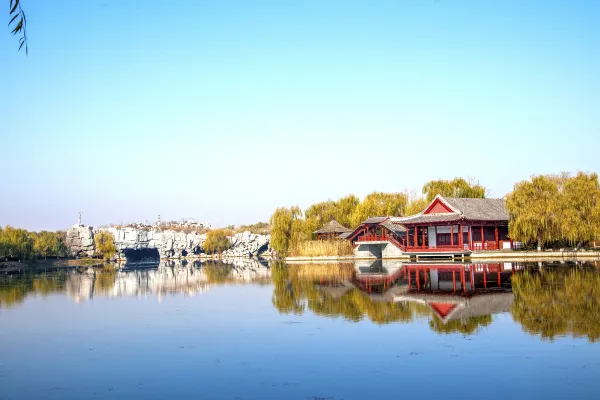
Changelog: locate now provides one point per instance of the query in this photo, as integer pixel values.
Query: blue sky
(224, 110)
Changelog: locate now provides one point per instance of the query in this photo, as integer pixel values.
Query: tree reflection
(326, 290)
(556, 302)
(467, 326)
(105, 280)
(217, 273)
(15, 288)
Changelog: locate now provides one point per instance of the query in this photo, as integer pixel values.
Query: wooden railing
(373, 238)
(476, 246)
(488, 245)
(431, 249)
(382, 238)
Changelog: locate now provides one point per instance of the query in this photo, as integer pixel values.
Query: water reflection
(555, 301)
(546, 299)
(166, 278)
(454, 297)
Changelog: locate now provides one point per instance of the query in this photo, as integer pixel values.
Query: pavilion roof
(396, 228)
(333, 227)
(460, 209)
(345, 235)
(374, 220)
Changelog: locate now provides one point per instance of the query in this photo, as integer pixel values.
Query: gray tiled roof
(465, 209)
(345, 235)
(428, 218)
(480, 209)
(333, 227)
(396, 228)
(374, 220)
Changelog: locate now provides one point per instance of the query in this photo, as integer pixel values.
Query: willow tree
(415, 206)
(379, 204)
(345, 208)
(580, 208)
(321, 213)
(458, 187)
(18, 23)
(286, 228)
(534, 209)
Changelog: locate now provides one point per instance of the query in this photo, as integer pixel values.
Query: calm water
(336, 331)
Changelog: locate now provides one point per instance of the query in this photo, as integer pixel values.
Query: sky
(224, 110)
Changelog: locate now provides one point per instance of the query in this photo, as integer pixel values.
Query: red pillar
(472, 276)
(416, 243)
(423, 238)
(451, 235)
(498, 276)
(496, 237)
(454, 280)
(484, 276)
(470, 229)
(460, 236)
(482, 238)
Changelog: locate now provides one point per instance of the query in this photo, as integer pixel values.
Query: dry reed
(319, 248)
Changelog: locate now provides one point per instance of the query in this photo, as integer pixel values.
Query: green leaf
(14, 7)
(18, 28)
(13, 18)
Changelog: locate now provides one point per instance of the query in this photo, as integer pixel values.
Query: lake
(252, 330)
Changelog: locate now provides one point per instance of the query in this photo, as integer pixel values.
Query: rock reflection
(169, 277)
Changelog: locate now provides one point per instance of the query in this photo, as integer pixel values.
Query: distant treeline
(548, 210)
(259, 228)
(20, 244)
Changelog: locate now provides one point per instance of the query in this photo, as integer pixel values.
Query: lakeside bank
(513, 255)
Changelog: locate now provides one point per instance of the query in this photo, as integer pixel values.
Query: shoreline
(529, 255)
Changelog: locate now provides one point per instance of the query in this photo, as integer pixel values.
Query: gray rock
(170, 244)
(80, 241)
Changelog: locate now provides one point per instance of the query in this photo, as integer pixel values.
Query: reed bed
(320, 248)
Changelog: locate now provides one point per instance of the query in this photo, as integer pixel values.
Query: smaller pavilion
(332, 230)
(378, 229)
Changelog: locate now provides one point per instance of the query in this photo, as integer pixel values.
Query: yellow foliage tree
(216, 241)
(105, 244)
(379, 204)
(554, 208)
(458, 187)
